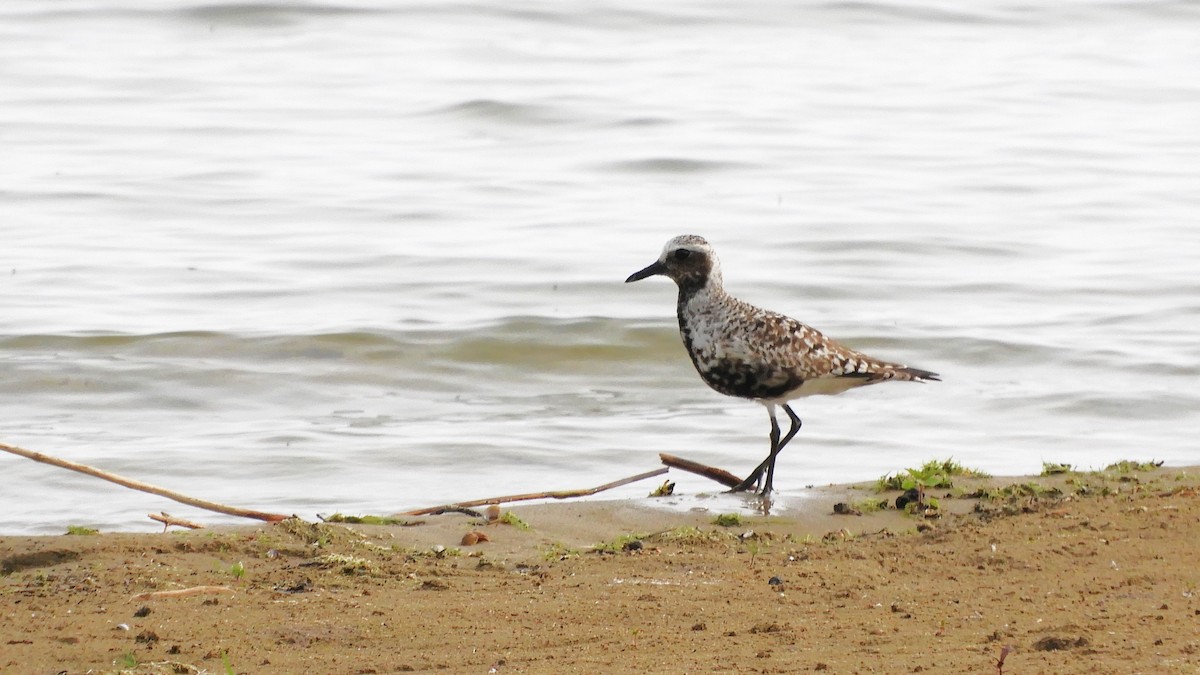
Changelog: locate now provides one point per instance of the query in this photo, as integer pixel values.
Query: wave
(518, 341)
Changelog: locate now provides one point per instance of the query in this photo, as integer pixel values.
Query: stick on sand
(144, 487)
(720, 475)
(560, 494)
(168, 520)
(183, 592)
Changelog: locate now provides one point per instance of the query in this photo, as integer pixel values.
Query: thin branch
(560, 494)
(183, 592)
(711, 472)
(168, 520)
(144, 487)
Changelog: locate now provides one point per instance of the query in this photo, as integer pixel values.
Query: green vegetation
(728, 520)
(869, 505)
(692, 536)
(931, 474)
(1021, 491)
(510, 518)
(1052, 468)
(366, 520)
(1129, 466)
(557, 551)
(621, 543)
(665, 490)
(81, 530)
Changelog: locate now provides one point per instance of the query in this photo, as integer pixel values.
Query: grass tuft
(931, 474)
(510, 518)
(1052, 468)
(1130, 466)
(728, 520)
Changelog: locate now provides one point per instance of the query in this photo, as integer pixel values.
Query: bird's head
(687, 259)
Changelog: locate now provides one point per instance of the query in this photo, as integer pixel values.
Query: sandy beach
(1069, 573)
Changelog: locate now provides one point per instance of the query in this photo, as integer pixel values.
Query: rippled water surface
(314, 257)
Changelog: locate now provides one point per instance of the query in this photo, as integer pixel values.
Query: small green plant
(1052, 468)
(510, 518)
(665, 490)
(728, 520)
(931, 474)
(557, 551)
(238, 570)
(1129, 466)
(1023, 490)
(127, 661)
(81, 530)
(753, 548)
(621, 543)
(226, 665)
(366, 520)
(869, 505)
(692, 536)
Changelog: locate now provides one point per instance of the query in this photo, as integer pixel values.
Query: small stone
(470, 539)
(911, 495)
(844, 509)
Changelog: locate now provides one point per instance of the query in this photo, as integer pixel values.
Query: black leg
(776, 448)
(758, 470)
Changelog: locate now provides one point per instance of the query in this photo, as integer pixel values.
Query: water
(365, 257)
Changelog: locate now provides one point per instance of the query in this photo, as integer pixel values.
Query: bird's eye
(682, 253)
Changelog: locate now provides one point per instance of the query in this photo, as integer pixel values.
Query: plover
(744, 351)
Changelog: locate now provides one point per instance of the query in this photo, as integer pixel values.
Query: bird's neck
(699, 297)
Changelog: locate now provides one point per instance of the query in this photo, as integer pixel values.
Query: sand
(1075, 573)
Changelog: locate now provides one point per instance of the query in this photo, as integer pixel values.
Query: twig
(560, 494)
(1004, 652)
(711, 472)
(183, 592)
(456, 509)
(168, 520)
(144, 487)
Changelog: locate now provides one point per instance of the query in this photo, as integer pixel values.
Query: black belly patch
(745, 380)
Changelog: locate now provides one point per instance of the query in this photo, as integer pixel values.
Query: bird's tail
(917, 375)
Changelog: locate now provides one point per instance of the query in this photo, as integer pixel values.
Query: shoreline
(1081, 572)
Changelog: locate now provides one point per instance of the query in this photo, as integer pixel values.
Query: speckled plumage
(745, 351)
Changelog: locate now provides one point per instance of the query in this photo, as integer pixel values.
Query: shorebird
(744, 351)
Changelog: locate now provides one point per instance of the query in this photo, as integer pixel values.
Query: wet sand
(1075, 573)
